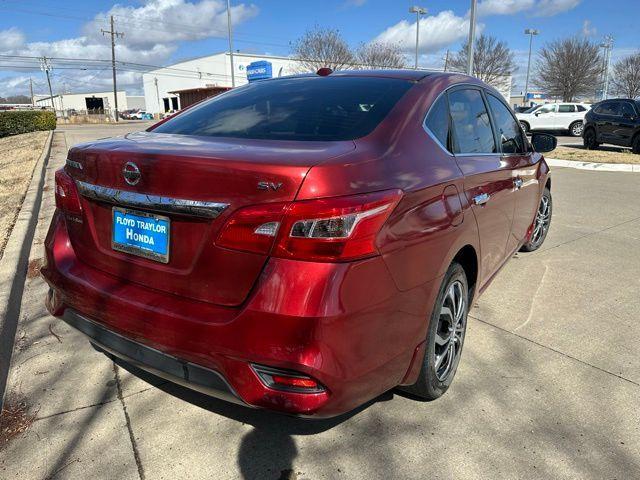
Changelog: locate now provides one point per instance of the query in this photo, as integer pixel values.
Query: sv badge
(269, 186)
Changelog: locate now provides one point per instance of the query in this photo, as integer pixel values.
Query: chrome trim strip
(155, 203)
(74, 164)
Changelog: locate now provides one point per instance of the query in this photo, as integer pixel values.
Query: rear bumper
(153, 361)
(345, 325)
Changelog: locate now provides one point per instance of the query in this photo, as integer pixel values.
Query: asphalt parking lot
(548, 386)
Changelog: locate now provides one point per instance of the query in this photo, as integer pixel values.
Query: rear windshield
(302, 108)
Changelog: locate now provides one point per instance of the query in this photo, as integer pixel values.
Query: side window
(609, 108)
(508, 129)
(471, 123)
(437, 121)
(627, 110)
(566, 108)
(581, 108)
(547, 109)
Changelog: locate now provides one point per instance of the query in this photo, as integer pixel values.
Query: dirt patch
(18, 156)
(604, 154)
(33, 270)
(15, 419)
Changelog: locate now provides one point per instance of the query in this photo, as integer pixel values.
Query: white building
(96, 102)
(209, 71)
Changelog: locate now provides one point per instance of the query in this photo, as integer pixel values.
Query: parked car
(555, 116)
(301, 244)
(615, 121)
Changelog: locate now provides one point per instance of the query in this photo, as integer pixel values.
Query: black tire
(542, 221)
(433, 380)
(525, 127)
(576, 129)
(589, 139)
(635, 145)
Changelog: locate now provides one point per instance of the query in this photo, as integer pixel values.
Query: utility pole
(45, 66)
(31, 90)
(114, 35)
(155, 81)
(233, 75)
(608, 46)
(446, 60)
(418, 11)
(472, 35)
(531, 32)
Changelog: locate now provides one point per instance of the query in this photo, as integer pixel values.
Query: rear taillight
(67, 196)
(287, 380)
(327, 230)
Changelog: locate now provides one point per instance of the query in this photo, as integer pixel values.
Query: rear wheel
(590, 142)
(635, 145)
(541, 224)
(445, 336)
(576, 128)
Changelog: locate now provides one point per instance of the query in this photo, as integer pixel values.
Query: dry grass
(604, 154)
(18, 156)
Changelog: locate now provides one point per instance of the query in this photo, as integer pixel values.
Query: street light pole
(472, 35)
(607, 45)
(233, 77)
(531, 32)
(418, 11)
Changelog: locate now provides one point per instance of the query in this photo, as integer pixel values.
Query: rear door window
(566, 109)
(627, 110)
(437, 122)
(298, 108)
(471, 123)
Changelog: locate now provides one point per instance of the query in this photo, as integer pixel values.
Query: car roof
(413, 75)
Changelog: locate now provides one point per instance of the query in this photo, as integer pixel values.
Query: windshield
(532, 109)
(297, 108)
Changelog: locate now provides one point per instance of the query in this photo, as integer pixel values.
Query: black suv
(615, 121)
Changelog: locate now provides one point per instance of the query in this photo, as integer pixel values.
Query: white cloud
(548, 8)
(10, 39)
(436, 32)
(152, 33)
(504, 7)
(588, 30)
(539, 8)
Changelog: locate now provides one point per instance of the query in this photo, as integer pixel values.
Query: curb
(14, 263)
(601, 167)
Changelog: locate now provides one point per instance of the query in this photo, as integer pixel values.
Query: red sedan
(301, 244)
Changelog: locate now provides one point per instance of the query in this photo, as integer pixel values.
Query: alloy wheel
(576, 129)
(450, 332)
(543, 219)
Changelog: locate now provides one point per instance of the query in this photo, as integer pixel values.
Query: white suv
(555, 116)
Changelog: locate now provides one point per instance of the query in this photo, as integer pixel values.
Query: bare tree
(492, 60)
(626, 76)
(569, 68)
(322, 47)
(380, 55)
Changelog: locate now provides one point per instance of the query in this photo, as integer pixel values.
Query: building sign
(259, 70)
(536, 96)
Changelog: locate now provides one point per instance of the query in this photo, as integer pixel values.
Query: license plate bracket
(142, 234)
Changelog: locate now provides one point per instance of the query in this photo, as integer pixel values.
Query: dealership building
(200, 77)
(90, 102)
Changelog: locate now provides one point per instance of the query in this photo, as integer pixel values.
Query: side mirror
(543, 142)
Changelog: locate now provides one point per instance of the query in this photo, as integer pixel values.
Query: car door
(624, 125)
(523, 164)
(565, 116)
(545, 117)
(488, 182)
(607, 118)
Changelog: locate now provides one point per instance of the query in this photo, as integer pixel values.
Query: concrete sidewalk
(548, 385)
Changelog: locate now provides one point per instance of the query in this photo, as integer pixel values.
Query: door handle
(517, 182)
(481, 199)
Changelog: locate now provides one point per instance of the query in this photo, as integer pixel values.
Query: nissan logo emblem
(131, 173)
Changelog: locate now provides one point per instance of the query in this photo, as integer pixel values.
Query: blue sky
(159, 32)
